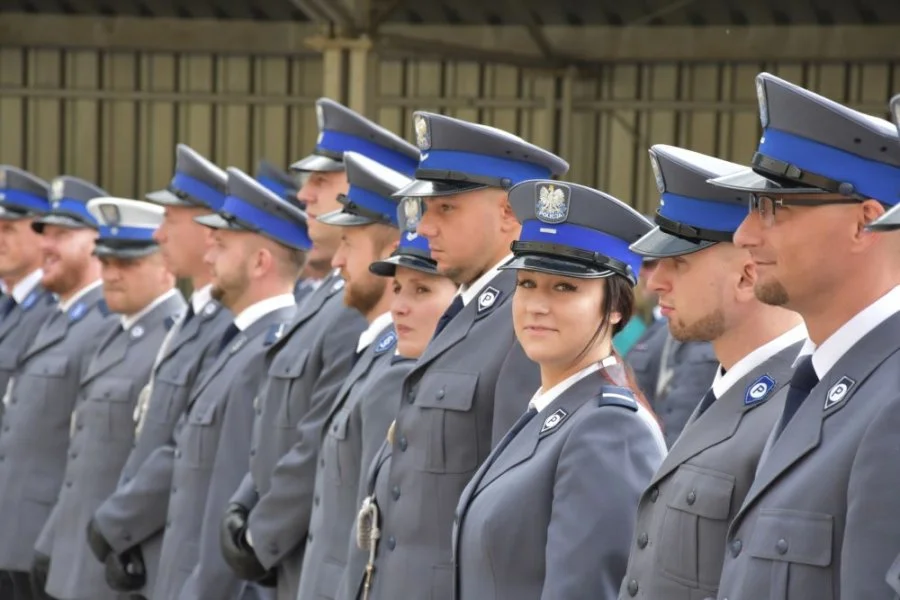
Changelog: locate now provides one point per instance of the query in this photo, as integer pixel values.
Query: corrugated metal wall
(114, 117)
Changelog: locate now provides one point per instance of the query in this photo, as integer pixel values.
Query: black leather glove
(97, 543)
(126, 572)
(40, 567)
(237, 552)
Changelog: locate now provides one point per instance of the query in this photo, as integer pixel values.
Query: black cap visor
(217, 221)
(425, 188)
(388, 266)
(169, 198)
(318, 162)
(556, 266)
(657, 243)
(127, 250)
(60, 220)
(751, 181)
(341, 218)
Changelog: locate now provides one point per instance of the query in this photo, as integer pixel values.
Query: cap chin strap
(691, 233)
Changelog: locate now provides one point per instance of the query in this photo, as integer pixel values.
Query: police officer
(444, 428)
(127, 528)
(561, 486)
(136, 286)
(259, 245)
(819, 520)
(22, 198)
(705, 286)
(313, 358)
(369, 223)
(38, 407)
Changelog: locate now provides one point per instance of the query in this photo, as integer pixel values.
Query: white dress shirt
(201, 297)
(468, 292)
(368, 335)
(21, 290)
(128, 321)
(255, 312)
(723, 382)
(65, 306)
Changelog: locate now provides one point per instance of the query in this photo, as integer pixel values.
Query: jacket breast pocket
(285, 369)
(334, 450)
(793, 550)
(445, 399)
(199, 439)
(112, 401)
(48, 380)
(170, 392)
(695, 525)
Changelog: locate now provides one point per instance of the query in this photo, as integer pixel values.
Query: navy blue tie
(803, 381)
(706, 402)
(229, 335)
(188, 315)
(7, 305)
(454, 309)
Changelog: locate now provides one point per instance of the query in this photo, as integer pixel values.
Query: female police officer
(551, 511)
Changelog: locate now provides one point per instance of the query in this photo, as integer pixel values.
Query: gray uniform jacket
(18, 328)
(135, 513)
(692, 366)
(101, 438)
(551, 515)
(443, 433)
(306, 371)
(374, 382)
(820, 520)
(37, 418)
(893, 577)
(679, 541)
(211, 449)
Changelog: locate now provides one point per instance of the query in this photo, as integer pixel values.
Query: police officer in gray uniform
(22, 198)
(312, 361)
(820, 519)
(673, 374)
(448, 415)
(560, 487)
(136, 286)
(369, 213)
(705, 284)
(127, 529)
(38, 404)
(259, 245)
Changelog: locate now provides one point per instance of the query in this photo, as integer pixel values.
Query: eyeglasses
(765, 206)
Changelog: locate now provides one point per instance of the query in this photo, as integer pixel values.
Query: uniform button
(316, 500)
(334, 428)
(321, 462)
(178, 454)
(68, 484)
(691, 497)
(6, 428)
(392, 543)
(127, 537)
(654, 494)
(781, 546)
(168, 523)
(395, 492)
(126, 479)
(2, 458)
(642, 540)
(411, 396)
(633, 587)
(403, 443)
(13, 401)
(258, 412)
(273, 548)
(79, 427)
(736, 546)
(440, 394)
(174, 489)
(252, 451)
(73, 455)
(309, 537)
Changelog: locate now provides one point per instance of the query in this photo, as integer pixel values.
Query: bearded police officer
(448, 411)
(819, 520)
(259, 245)
(136, 286)
(36, 420)
(128, 526)
(22, 198)
(705, 288)
(313, 359)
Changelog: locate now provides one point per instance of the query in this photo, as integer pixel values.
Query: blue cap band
(419, 242)
(340, 142)
(126, 233)
(18, 198)
(582, 238)
(483, 165)
(705, 214)
(276, 187)
(870, 178)
(374, 202)
(289, 232)
(198, 189)
(76, 208)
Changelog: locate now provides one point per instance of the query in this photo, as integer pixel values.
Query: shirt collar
(841, 341)
(65, 306)
(255, 312)
(21, 290)
(200, 298)
(374, 328)
(128, 321)
(723, 381)
(468, 292)
(542, 399)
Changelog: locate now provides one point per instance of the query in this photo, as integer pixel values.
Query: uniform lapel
(188, 331)
(332, 285)
(359, 370)
(804, 432)
(721, 420)
(57, 325)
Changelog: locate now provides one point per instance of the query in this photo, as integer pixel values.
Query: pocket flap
(288, 365)
(205, 413)
(49, 366)
(793, 536)
(173, 373)
(448, 390)
(702, 492)
(111, 390)
(338, 427)
(8, 360)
